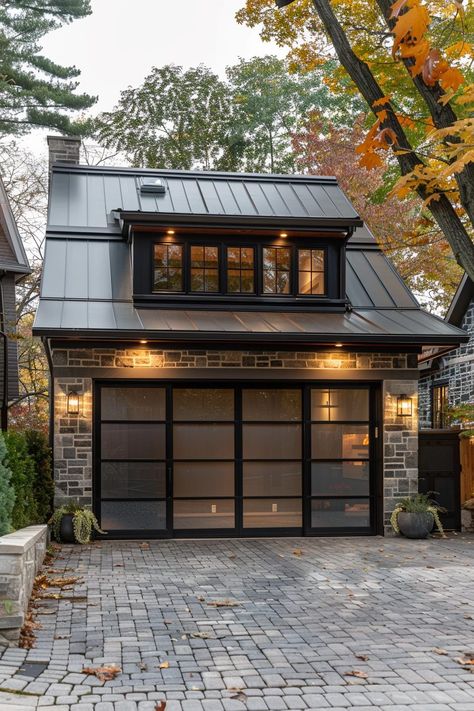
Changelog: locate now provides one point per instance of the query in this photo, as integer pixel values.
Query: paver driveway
(380, 606)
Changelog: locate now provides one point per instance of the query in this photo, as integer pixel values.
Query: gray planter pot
(415, 525)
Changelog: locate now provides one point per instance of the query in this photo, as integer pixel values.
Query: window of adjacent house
(168, 267)
(276, 270)
(204, 268)
(240, 270)
(311, 271)
(440, 404)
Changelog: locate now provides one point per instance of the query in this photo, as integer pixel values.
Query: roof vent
(153, 185)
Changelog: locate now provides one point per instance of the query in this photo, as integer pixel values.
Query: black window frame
(438, 417)
(334, 275)
(255, 269)
(183, 267)
(312, 248)
(290, 271)
(188, 267)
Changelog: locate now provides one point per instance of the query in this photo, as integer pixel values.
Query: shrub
(23, 478)
(7, 493)
(43, 486)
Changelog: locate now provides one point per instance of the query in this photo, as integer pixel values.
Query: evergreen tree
(34, 90)
(43, 486)
(23, 479)
(7, 494)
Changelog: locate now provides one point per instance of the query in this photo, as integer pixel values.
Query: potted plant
(414, 516)
(74, 524)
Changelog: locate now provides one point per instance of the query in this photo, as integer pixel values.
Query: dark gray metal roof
(87, 289)
(12, 252)
(112, 319)
(84, 199)
(100, 269)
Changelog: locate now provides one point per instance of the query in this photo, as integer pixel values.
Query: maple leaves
(412, 20)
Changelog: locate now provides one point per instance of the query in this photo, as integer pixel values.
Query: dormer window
(241, 270)
(276, 270)
(168, 267)
(225, 267)
(204, 268)
(311, 271)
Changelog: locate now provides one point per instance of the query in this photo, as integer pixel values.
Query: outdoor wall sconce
(73, 403)
(283, 3)
(404, 406)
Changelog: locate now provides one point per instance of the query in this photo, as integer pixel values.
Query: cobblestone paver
(400, 611)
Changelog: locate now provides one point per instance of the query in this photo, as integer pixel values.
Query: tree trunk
(443, 116)
(442, 210)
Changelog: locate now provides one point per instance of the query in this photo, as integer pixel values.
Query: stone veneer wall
(456, 369)
(21, 556)
(73, 435)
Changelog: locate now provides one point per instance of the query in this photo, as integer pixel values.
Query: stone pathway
(380, 606)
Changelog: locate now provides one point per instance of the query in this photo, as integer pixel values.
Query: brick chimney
(63, 149)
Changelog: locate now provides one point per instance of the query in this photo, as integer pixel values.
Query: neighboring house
(231, 354)
(447, 375)
(13, 267)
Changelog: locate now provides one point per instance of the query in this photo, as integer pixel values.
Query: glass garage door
(131, 490)
(341, 494)
(236, 460)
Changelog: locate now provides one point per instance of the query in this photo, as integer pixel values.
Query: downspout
(4, 405)
(49, 358)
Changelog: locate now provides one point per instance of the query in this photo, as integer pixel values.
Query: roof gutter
(254, 222)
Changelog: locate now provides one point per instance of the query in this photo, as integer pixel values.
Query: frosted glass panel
(133, 515)
(333, 405)
(340, 513)
(133, 404)
(203, 404)
(339, 441)
(340, 478)
(133, 441)
(204, 441)
(203, 479)
(272, 478)
(207, 513)
(272, 513)
(271, 404)
(271, 441)
(134, 480)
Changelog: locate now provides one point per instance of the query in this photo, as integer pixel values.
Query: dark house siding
(9, 325)
(456, 369)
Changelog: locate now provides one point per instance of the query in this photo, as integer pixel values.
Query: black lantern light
(73, 403)
(404, 406)
(283, 3)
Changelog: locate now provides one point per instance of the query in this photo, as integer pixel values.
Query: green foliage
(34, 90)
(419, 503)
(462, 414)
(40, 451)
(84, 522)
(191, 119)
(7, 493)
(270, 104)
(23, 480)
(176, 119)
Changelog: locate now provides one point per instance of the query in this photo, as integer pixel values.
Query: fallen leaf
(106, 673)
(438, 650)
(201, 635)
(164, 665)
(357, 673)
(232, 556)
(464, 661)
(298, 552)
(144, 545)
(362, 657)
(143, 667)
(160, 706)
(223, 603)
(240, 696)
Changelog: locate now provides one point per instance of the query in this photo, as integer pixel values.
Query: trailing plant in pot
(414, 516)
(74, 524)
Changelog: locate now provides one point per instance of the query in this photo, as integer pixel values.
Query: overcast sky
(117, 45)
